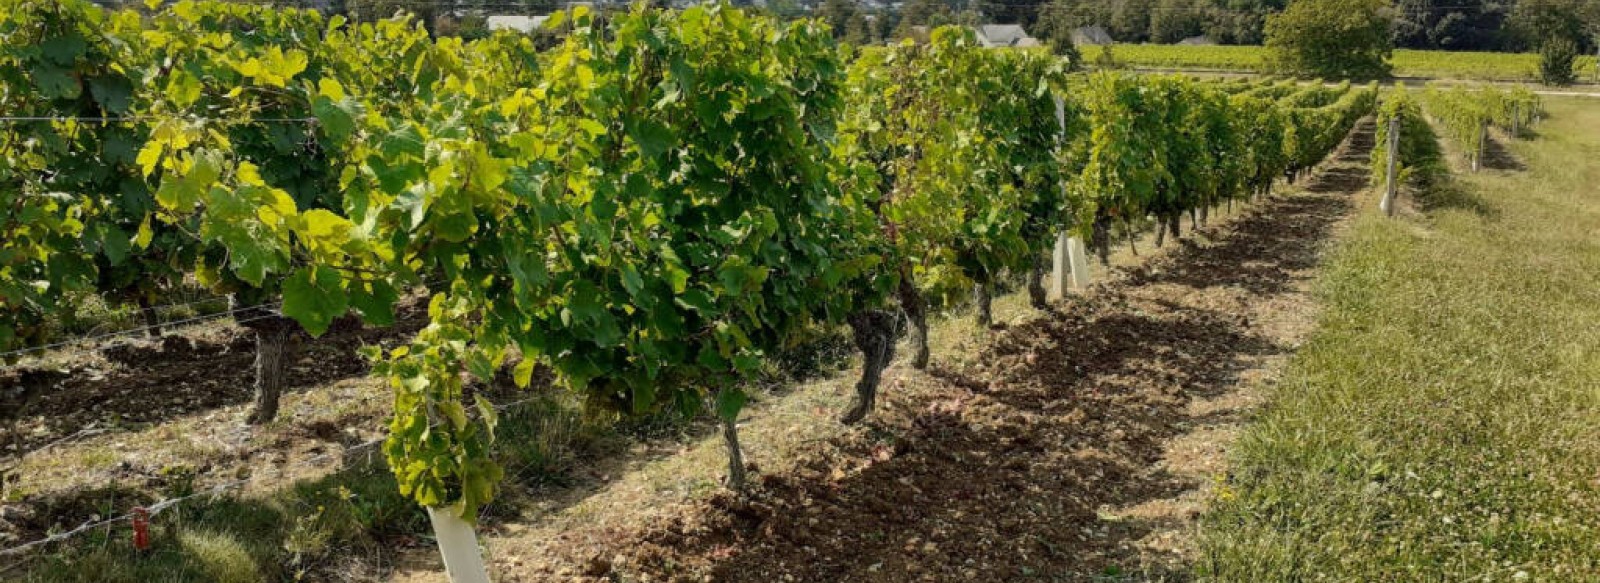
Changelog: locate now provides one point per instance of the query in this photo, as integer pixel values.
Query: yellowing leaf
(249, 174)
(331, 89)
(141, 239)
(149, 157)
(325, 228)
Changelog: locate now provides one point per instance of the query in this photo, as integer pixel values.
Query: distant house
(1091, 35)
(519, 23)
(1004, 35)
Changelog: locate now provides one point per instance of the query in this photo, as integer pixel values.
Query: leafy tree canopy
(1332, 38)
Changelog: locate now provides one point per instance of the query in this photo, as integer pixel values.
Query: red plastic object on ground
(141, 529)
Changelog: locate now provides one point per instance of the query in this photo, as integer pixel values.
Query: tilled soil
(135, 383)
(1076, 446)
(137, 421)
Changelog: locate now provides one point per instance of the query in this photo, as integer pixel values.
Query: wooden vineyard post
(1391, 183)
(458, 543)
(1070, 264)
(1483, 136)
(1516, 119)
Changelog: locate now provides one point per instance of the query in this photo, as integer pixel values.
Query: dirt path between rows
(1076, 445)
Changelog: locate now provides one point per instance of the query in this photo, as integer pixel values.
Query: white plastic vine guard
(458, 543)
(1070, 265)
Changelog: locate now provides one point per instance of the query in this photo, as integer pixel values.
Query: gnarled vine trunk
(1100, 234)
(1175, 224)
(275, 348)
(983, 301)
(917, 315)
(1132, 235)
(1037, 296)
(730, 437)
(874, 332)
(152, 320)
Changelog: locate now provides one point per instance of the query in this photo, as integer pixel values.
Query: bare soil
(135, 421)
(140, 382)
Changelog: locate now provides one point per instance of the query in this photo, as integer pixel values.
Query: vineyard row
(649, 206)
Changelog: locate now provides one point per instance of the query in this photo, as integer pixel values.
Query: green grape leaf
(730, 402)
(55, 82)
(314, 297)
(114, 243)
(376, 304)
(337, 118)
(113, 93)
(64, 50)
(653, 138)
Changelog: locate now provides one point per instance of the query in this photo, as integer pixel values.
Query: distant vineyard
(1407, 63)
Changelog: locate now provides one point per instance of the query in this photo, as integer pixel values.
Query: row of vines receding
(651, 207)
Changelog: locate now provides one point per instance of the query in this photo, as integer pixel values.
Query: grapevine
(651, 208)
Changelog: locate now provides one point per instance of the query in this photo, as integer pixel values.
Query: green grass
(1407, 63)
(1441, 425)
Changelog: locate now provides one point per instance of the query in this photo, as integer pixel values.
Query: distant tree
(1130, 20)
(1107, 59)
(856, 30)
(1173, 21)
(1537, 22)
(1061, 45)
(1237, 22)
(837, 13)
(884, 25)
(1055, 26)
(929, 13)
(1331, 39)
(1023, 12)
(1453, 24)
(966, 18)
(1556, 57)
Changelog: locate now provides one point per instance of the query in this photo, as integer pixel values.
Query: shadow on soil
(149, 382)
(1496, 156)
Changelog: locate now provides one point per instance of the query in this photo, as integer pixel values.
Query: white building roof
(515, 22)
(1091, 35)
(1001, 35)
